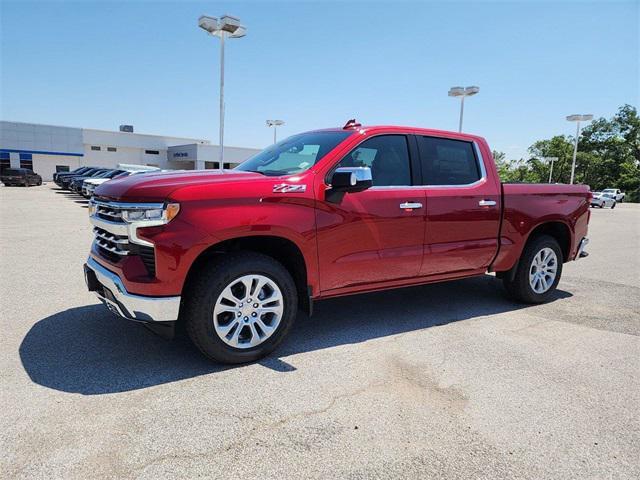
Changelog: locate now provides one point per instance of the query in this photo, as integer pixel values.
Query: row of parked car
(85, 180)
(607, 198)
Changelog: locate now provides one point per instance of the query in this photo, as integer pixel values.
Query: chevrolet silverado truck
(235, 254)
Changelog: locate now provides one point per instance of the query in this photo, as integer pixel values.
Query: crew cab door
(463, 206)
(375, 235)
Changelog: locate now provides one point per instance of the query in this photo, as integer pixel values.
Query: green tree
(561, 147)
(608, 156)
(612, 151)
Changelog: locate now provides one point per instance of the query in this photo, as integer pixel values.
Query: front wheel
(613, 205)
(241, 308)
(538, 271)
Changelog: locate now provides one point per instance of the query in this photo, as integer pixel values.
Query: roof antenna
(351, 124)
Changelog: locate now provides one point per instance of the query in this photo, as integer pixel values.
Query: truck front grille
(112, 236)
(114, 244)
(109, 213)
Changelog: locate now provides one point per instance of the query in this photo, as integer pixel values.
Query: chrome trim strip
(129, 206)
(113, 239)
(101, 244)
(134, 307)
(115, 228)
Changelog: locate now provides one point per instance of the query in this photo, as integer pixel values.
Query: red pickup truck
(235, 254)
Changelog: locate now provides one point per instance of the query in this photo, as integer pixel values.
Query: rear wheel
(613, 205)
(538, 271)
(241, 308)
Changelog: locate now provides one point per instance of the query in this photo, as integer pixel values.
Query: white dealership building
(47, 148)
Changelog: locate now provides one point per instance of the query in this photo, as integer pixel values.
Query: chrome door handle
(410, 205)
(487, 203)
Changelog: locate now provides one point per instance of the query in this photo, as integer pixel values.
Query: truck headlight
(160, 215)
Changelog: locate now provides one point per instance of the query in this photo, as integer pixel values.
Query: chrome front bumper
(110, 290)
(581, 253)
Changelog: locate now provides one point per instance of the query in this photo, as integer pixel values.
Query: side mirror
(351, 179)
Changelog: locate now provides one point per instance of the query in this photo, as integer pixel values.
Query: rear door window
(448, 162)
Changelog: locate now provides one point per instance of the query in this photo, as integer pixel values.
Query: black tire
(613, 206)
(206, 288)
(519, 288)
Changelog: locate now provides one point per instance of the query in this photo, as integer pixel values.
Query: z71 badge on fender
(289, 188)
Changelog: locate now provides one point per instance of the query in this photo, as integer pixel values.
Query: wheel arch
(558, 230)
(281, 249)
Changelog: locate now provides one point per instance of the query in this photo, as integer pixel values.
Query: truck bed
(527, 205)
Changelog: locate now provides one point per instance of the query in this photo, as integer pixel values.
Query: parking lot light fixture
(275, 124)
(577, 119)
(224, 27)
(551, 161)
(462, 92)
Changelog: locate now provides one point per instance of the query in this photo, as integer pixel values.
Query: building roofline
(195, 140)
(213, 145)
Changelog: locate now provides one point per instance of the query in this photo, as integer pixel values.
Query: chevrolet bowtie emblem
(289, 188)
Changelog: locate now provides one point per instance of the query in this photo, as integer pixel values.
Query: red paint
(365, 242)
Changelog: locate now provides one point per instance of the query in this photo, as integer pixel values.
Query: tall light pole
(552, 160)
(577, 119)
(225, 27)
(275, 124)
(462, 92)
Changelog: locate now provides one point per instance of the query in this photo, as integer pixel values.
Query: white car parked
(601, 200)
(617, 194)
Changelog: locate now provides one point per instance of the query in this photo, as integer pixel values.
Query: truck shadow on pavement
(90, 351)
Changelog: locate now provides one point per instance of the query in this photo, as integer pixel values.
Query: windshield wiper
(274, 173)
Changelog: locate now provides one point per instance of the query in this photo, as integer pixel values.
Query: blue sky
(317, 64)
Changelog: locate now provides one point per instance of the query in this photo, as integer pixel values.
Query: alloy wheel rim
(543, 270)
(248, 311)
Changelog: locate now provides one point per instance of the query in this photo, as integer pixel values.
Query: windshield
(294, 154)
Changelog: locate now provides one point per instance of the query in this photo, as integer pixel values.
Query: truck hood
(159, 186)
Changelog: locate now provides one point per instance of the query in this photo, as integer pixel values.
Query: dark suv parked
(20, 176)
(76, 184)
(58, 176)
(65, 182)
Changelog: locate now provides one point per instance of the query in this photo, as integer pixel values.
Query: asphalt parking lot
(441, 381)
